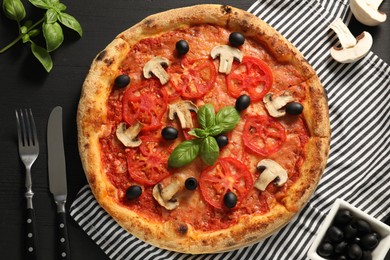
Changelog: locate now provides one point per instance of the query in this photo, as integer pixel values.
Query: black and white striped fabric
(359, 161)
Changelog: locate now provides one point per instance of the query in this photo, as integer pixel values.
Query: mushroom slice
(128, 136)
(165, 196)
(183, 111)
(275, 106)
(367, 12)
(226, 55)
(155, 67)
(352, 49)
(272, 172)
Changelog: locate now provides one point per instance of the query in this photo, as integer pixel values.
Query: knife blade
(57, 177)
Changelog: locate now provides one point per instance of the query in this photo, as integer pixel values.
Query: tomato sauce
(195, 77)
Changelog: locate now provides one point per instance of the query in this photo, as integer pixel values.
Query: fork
(28, 151)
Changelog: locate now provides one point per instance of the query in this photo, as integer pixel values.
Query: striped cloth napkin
(359, 160)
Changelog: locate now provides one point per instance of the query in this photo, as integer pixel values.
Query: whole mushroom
(272, 172)
(276, 105)
(128, 136)
(155, 67)
(352, 49)
(227, 55)
(165, 196)
(182, 109)
(367, 12)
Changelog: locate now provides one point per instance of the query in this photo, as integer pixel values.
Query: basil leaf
(40, 4)
(228, 118)
(209, 150)
(34, 32)
(43, 56)
(184, 153)
(53, 35)
(14, 10)
(23, 30)
(215, 130)
(70, 22)
(51, 16)
(52, 2)
(198, 132)
(59, 6)
(206, 116)
(25, 38)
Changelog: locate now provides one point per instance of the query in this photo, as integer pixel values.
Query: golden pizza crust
(92, 125)
(317, 116)
(299, 193)
(97, 85)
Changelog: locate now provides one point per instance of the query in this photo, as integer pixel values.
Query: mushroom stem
(161, 74)
(375, 3)
(346, 38)
(169, 191)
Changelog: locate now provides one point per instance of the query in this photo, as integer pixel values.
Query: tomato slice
(148, 164)
(263, 135)
(227, 174)
(193, 78)
(172, 91)
(145, 102)
(252, 76)
(153, 145)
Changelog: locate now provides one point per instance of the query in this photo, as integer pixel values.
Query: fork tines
(27, 133)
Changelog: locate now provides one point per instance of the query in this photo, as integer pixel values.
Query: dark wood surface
(23, 83)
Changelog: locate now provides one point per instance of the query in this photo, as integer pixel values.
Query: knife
(57, 177)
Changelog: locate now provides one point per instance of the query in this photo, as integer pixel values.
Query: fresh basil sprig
(51, 27)
(205, 143)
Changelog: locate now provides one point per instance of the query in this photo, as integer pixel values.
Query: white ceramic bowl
(378, 253)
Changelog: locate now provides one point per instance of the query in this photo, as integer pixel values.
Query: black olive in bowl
(351, 233)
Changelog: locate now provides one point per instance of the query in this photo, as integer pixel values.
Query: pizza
(202, 129)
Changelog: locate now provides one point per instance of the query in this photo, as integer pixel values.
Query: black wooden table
(24, 83)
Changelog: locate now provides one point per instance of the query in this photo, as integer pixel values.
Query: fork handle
(63, 239)
(31, 235)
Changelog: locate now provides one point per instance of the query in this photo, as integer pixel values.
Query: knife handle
(63, 239)
(31, 235)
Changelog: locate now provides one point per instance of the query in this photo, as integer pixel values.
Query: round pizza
(202, 129)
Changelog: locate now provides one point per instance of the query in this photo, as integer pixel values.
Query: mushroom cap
(222, 50)
(348, 55)
(152, 64)
(366, 13)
